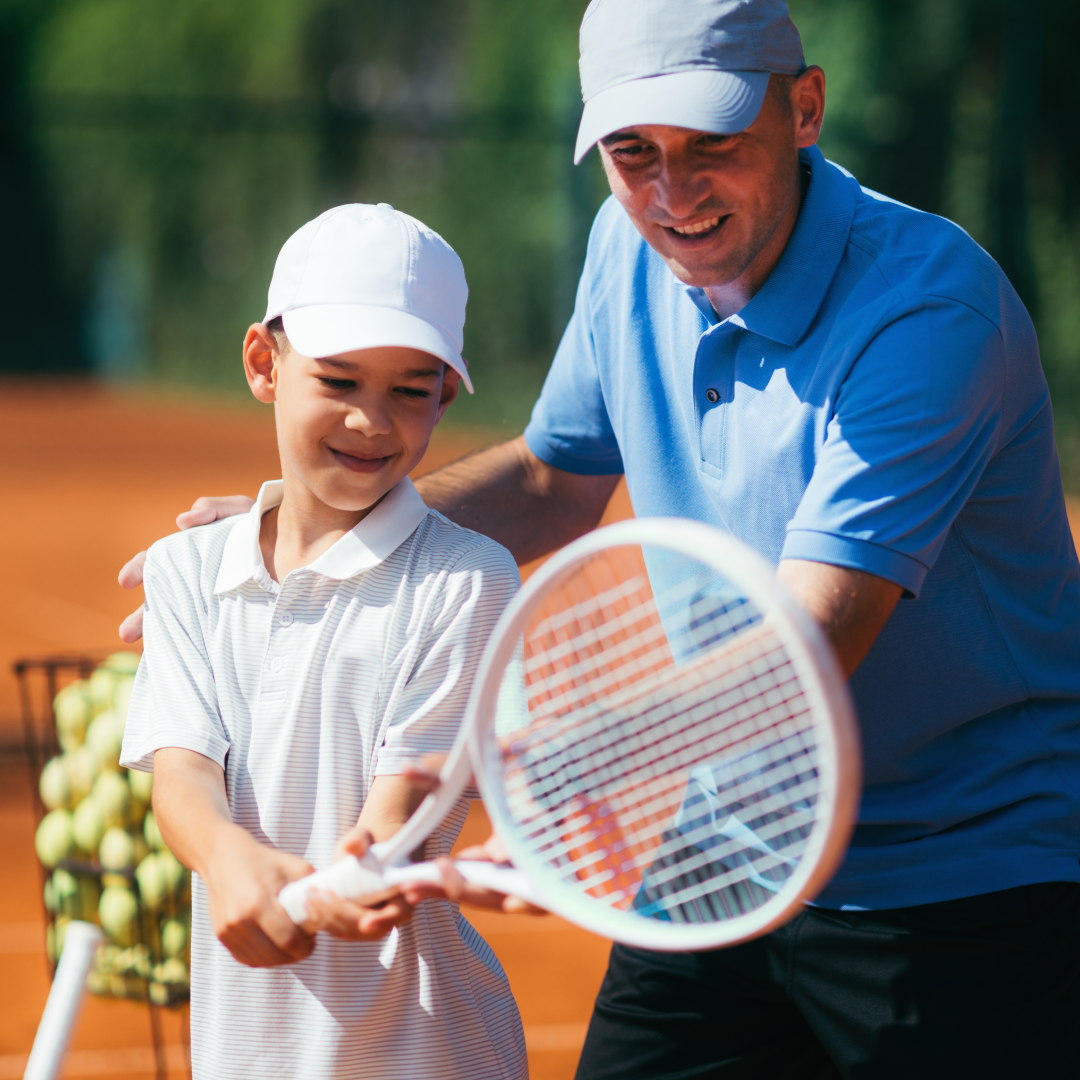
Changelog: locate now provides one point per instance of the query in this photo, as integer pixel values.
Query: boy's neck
(301, 527)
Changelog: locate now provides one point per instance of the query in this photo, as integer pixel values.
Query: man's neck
(731, 298)
(301, 527)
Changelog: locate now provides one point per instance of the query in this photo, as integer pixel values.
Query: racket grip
(349, 878)
(81, 940)
(503, 879)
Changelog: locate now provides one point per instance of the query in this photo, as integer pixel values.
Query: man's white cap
(699, 64)
(362, 276)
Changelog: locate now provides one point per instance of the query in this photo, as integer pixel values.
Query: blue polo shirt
(879, 404)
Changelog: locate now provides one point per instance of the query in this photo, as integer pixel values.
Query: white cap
(698, 64)
(363, 276)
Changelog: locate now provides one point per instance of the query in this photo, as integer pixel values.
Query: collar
(371, 542)
(785, 306)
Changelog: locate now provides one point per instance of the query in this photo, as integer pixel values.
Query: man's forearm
(507, 493)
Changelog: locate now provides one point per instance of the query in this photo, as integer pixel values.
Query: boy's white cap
(361, 276)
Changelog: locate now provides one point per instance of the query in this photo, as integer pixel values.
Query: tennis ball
(171, 869)
(81, 770)
(159, 994)
(55, 784)
(54, 938)
(123, 663)
(152, 832)
(122, 696)
(117, 850)
(105, 737)
(89, 896)
(54, 839)
(117, 910)
(88, 825)
(50, 897)
(73, 710)
(173, 937)
(112, 794)
(66, 891)
(153, 888)
(173, 970)
(141, 784)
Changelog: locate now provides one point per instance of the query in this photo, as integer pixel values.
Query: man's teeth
(700, 227)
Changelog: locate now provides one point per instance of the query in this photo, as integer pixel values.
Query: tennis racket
(662, 739)
(81, 940)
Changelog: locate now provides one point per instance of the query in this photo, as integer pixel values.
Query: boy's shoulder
(193, 555)
(443, 546)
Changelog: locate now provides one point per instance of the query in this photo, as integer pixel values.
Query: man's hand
(202, 512)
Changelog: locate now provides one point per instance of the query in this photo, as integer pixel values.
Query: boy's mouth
(360, 464)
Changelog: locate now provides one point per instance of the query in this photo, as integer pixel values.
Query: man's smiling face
(719, 208)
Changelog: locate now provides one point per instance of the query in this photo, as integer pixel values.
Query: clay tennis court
(87, 477)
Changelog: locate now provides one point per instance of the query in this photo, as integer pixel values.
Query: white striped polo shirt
(304, 691)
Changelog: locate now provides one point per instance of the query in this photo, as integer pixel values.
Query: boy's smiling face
(349, 427)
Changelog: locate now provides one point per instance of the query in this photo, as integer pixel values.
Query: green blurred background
(155, 154)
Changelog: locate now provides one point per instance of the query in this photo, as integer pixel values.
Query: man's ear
(261, 360)
(808, 105)
(451, 381)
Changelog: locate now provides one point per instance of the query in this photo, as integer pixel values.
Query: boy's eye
(412, 391)
(337, 384)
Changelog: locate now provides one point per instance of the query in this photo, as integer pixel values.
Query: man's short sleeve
(913, 426)
(174, 700)
(570, 427)
(427, 714)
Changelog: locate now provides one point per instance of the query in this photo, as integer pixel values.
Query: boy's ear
(450, 383)
(261, 359)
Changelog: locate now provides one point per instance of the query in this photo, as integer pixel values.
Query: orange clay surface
(88, 476)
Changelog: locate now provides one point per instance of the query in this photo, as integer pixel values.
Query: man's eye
(337, 384)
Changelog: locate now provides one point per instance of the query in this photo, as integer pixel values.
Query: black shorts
(983, 987)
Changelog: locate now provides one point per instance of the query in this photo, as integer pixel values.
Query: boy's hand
(349, 920)
(202, 512)
(243, 880)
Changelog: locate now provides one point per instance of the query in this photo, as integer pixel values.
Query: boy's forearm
(191, 808)
(506, 492)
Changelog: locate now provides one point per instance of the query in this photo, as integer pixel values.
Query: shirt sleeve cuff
(606, 463)
(141, 757)
(856, 555)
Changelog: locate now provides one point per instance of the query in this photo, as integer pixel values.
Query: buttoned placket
(713, 388)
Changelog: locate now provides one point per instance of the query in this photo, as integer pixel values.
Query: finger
(356, 842)
(207, 509)
(378, 922)
(251, 946)
(132, 627)
(286, 936)
(131, 573)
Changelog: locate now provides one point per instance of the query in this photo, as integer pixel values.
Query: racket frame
(839, 757)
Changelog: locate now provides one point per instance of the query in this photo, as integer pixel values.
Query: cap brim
(720, 102)
(332, 329)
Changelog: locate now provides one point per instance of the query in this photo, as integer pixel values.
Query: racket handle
(503, 879)
(81, 940)
(353, 879)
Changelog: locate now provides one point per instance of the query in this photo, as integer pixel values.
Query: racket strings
(668, 762)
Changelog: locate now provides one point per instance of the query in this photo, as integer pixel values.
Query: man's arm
(505, 492)
(851, 606)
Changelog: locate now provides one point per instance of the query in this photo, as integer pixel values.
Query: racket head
(676, 770)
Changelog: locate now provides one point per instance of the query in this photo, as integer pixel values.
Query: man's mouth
(698, 229)
(360, 464)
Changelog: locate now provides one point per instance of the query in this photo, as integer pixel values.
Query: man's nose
(681, 189)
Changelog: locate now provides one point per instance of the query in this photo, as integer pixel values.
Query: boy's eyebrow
(619, 136)
(412, 373)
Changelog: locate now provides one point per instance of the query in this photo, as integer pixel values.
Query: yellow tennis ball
(88, 825)
(105, 737)
(55, 784)
(117, 910)
(141, 784)
(171, 869)
(152, 832)
(122, 663)
(150, 877)
(173, 937)
(54, 838)
(117, 850)
(112, 794)
(82, 770)
(73, 710)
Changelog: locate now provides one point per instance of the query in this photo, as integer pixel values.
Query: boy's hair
(276, 327)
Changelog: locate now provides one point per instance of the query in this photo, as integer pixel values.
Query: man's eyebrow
(619, 136)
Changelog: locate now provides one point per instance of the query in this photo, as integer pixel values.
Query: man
(853, 388)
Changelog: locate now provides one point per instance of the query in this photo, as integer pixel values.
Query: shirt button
(712, 395)
(276, 665)
(286, 618)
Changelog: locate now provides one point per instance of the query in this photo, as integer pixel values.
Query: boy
(299, 657)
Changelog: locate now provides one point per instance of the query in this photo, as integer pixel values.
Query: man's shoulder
(922, 254)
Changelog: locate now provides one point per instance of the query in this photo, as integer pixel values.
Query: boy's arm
(242, 876)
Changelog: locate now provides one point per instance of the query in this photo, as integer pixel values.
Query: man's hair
(780, 87)
(276, 326)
